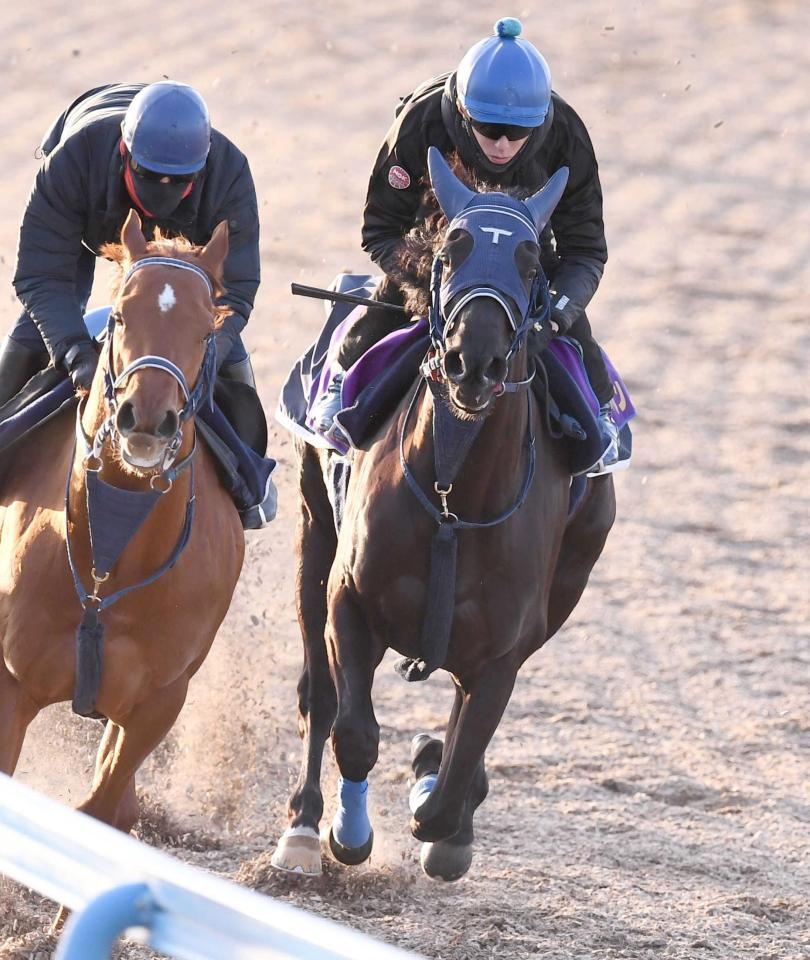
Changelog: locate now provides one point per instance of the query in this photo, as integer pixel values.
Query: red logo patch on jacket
(399, 178)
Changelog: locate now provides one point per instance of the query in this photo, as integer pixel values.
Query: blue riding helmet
(166, 128)
(503, 79)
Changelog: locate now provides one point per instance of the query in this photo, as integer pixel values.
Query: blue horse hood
(498, 224)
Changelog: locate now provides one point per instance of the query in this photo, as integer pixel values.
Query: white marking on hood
(167, 299)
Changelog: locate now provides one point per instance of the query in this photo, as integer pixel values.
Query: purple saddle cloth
(376, 383)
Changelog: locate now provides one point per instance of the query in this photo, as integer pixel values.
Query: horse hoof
(446, 861)
(351, 856)
(299, 851)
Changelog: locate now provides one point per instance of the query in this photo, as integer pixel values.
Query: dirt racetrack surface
(649, 782)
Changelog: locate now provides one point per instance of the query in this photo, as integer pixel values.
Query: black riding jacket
(79, 200)
(428, 117)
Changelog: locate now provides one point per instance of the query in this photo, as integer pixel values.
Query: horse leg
(298, 849)
(446, 859)
(17, 710)
(126, 813)
(354, 656)
(461, 778)
(123, 749)
(126, 816)
(582, 544)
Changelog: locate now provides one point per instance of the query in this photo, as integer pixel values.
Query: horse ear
(214, 252)
(451, 193)
(132, 236)
(541, 204)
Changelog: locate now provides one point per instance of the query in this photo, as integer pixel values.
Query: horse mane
(178, 248)
(420, 245)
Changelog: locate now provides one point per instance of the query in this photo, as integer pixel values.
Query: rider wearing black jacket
(116, 147)
(429, 117)
(498, 114)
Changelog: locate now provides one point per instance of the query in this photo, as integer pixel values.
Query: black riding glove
(80, 362)
(540, 336)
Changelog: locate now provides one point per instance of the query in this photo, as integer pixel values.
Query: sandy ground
(649, 783)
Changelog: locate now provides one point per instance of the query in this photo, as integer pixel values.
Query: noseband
(192, 397)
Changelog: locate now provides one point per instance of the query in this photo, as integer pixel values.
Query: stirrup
(600, 468)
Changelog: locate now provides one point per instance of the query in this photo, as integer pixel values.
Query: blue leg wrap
(351, 826)
(420, 791)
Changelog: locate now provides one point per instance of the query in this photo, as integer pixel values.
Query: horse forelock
(177, 248)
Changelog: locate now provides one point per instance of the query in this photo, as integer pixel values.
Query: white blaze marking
(167, 299)
(496, 232)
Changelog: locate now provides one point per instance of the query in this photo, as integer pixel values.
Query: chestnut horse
(521, 565)
(158, 600)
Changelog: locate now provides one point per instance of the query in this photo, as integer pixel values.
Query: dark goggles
(153, 176)
(494, 131)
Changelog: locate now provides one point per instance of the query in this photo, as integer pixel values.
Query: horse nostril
(453, 365)
(169, 425)
(495, 370)
(125, 419)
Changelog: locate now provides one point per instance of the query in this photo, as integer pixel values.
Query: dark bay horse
(510, 562)
(133, 443)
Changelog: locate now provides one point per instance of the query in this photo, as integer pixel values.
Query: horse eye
(118, 317)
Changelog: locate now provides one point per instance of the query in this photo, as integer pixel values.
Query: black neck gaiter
(159, 199)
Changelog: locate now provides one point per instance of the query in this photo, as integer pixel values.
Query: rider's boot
(610, 432)
(241, 371)
(369, 328)
(18, 364)
(329, 404)
(260, 514)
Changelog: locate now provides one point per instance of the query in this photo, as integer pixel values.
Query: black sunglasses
(152, 175)
(494, 131)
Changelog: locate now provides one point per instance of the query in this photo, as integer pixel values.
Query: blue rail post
(91, 933)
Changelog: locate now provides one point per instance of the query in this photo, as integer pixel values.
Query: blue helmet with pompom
(503, 79)
(166, 128)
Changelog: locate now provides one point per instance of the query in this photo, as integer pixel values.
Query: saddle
(377, 382)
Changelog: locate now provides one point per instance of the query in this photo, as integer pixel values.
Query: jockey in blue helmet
(147, 146)
(166, 132)
(118, 147)
(498, 115)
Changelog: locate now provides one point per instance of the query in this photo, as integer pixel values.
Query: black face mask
(160, 199)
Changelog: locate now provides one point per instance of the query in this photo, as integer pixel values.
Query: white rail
(75, 860)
